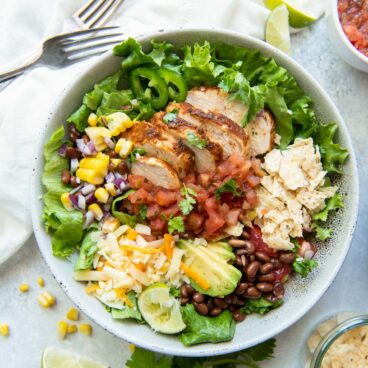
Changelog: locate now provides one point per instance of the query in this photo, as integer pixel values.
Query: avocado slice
(211, 263)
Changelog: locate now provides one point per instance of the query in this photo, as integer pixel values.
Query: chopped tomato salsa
(353, 16)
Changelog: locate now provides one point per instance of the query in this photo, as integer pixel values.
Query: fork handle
(15, 72)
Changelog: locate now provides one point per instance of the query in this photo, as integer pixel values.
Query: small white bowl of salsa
(347, 22)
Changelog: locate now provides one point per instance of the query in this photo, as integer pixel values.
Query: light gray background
(33, 328)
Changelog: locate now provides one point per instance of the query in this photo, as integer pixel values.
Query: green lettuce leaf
(304, 266)
(87, 252)
(260, 306)
(321, 232)
(333, 155)
(123, 217)
(117, 99)
(206, 329)
(333, 203)
(128, 312)
(79, 117)
(145, 358)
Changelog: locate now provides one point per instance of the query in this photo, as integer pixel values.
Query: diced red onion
(80, 144)
(124, 186)
(91, 147)
(109, 142)
(118, 181)
(62, 150)
(88, 219)
(90, 198)
(74, 200)
(110, 177)
(75, 190)
(81, 201)
(106, 207)
(309, 254)
(74, 165)
(88, 189)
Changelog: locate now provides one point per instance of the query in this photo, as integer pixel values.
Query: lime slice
(58, 358)
(160, 309)
(299, 17)
(277, 29)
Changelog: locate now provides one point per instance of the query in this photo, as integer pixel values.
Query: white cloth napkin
(25, 103)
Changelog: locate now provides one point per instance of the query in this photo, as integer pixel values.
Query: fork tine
(77, 34)
(77, 58)
(76, 51)
(84, 11)
(105, 13)
(72, 42)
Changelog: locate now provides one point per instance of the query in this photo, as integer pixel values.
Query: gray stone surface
(32, 328)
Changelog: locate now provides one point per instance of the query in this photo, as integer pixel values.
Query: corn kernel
(4, 329)
(96, 209)
(66, 201)
(132, 234)
(73, 314)
(93, 169)
(23, 288)
(85, 328)
(97, 135)
(40, 281)
(116, 162)
(46, 299)
(91, 288)
(132, 348)
(92, 119)
(110, 225)
(102, 195)
(118, 122)
(62, 329)
(123, 147)
(72, 329)
(111, 188)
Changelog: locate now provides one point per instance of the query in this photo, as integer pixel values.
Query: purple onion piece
(80, 144)
(91, 147)
(89, 188)
(309, 254)
(81, 201)
(75, 190)
(110, 177)
(74, 165)
(118, 181)
(62, 150)
(88, 219)
(86, 151)
(74, 200)
(90, 198)
(124, 186)
(109, 142)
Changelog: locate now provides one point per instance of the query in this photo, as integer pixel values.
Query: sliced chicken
(217, 127)
(156, 171)
(158, 143)
(206, 157)
(262, 133)
(216, 100)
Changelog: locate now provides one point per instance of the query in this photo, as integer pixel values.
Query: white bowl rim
(343, 36)
(213, 349)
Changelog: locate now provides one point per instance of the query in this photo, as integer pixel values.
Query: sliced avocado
(211, 263)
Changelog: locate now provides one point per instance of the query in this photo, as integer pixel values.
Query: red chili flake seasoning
(353, 16)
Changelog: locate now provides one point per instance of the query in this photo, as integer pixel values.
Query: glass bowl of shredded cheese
(339, 342)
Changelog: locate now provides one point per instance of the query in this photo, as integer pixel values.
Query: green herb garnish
(230, 186)
(304, 266)
(186, 204)
(175, 224)
(170, 116)
(135, 152)
(195, 141)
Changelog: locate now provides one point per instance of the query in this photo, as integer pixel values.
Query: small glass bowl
(333, 335)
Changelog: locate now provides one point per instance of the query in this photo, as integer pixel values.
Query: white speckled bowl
(301, 294)
(338, 38)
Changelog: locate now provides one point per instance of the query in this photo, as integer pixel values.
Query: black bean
(232, 308)
(266, 268)
(245, 235)
(73, 133)
(72, 152)
(238, 316)
(268, 277)
(221, 303)
(252, 258)
(201, 308)
(122, 168)
(230, 299)
(253, 293)
(264, 286)
(198, 297)
(215, 311)
(73, 181)
(263, 257)
(241, 288)
(65, 177)
(250, 248)
(184, 301)
(112, 153)
(241, 251)
(287, 258)
(237, 243)
(276, 263)
(210, 304)
(252, 269)
(240, 303)
(186, 290)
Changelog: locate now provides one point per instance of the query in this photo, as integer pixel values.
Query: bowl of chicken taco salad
(195, 191)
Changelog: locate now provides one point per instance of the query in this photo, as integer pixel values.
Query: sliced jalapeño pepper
(176, 84)
(154, 88)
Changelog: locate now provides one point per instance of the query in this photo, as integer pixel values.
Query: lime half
(160, 309)
(58, 358)
(299, 16)
(277, 29)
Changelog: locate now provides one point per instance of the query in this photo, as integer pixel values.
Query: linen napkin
(24, 105)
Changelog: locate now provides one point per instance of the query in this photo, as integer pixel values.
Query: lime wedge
(160, 309)
(277, 29)
(58, 358)
(299, 16)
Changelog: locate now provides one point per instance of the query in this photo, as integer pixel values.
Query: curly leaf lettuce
(128, 312)
(65, 227)
(333, 203)
(260, 306)
(123, 217)
(87, 252)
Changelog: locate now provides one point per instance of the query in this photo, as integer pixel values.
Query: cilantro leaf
(135, 152)
(142, 211)
(321, 232)
(186, 205)
(333, 203)
(170, 116)
(195, 141)
(304, 266)
(229, 186)
(260, 306)
(145, 358)
(176, 224)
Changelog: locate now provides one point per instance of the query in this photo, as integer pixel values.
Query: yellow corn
(67, 203)
(102, 195)
(97, 135)
(93, 169)
(110, 225)
(85, 328)
(72, 329)
(23, 288)
(110, 187)
(46, 299)
(73, 314)
(123, 147)
(62, 329)
(116, 162)
(91, 288)
(92, 119)
(132, 234)
(132, 348)
(4, 329)
(40, 281)
(118, 122)
(96, 209)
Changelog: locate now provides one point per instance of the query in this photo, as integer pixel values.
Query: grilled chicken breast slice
(216, 100)
(262, 133)
(206, 157)
(156, 171)
(217, 127)
(158, 143)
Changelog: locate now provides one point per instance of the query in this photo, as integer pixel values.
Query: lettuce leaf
(206, 329)
(87, 252)
(260, 306)
(117, 99)
(304, 266)
(128, 312)
(79, 117)
(321, 232)
(333, 203)
(123, 217)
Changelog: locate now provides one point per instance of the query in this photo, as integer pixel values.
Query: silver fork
(68, 48)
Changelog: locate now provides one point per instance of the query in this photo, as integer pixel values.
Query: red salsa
(353, 16)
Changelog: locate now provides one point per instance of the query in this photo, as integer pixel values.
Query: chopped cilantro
(135, 152)
(142, 211)
(304, 266)
(230, 186)
(195, 141)
(170, 116)
(176, 224)
(186, 204)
